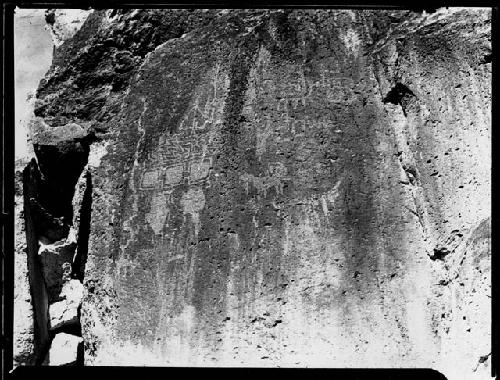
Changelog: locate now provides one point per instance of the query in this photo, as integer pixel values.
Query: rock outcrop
(272, 187)
(50, 260)
(64, 23)
(24, 328)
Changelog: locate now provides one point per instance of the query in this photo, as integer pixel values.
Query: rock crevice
(56, 263)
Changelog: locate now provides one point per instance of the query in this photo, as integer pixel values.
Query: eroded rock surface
(24, 335)
(269, 187)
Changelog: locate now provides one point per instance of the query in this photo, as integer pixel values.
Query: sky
(32, 58)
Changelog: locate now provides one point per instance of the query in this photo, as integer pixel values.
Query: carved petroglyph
(328, 199)
(173, 175)
(203, 115)
(185, 157)
(351, 41)
(158, 212)
(283, 104)
(292, 92)
(150, 178)
(194, 171)
(263, 133)
(193, 201)
(199, 170)
(274, 177)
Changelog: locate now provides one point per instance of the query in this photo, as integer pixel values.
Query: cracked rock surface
(270, 187)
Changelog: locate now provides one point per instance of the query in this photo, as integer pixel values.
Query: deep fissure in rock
(82, 243)
(440, 253)
(57, 207)
(31, 178)
(399, 95)
(60, 166)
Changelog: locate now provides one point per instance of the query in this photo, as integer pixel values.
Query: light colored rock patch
(351, 41)
(73, 291)
(199, 170)
(42, 133)
(99, 329)
(65, 312)
(170, 336)
(64, 350)
(66, 23)
(263, 133)
(158, 212)
(97, 151)
(328, 199)
(173, 175)
(127, 354)
(193, 201)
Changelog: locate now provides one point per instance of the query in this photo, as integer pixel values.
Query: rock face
(269, 187)
(24, 334)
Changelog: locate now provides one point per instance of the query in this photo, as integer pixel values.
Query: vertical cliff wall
(269, 187)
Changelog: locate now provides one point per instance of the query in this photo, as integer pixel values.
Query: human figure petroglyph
(158, 212)
(193, 201)
(181, 156)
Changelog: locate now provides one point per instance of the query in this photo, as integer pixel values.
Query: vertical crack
(82, 218)
(397, 101)
(400, 95)
(57, 232)
(39, 296)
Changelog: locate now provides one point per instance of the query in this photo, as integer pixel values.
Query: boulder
(56, 262)
(66, 312)
(65, 350)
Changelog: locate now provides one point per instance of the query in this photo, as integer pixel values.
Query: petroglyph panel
(173, 175)
(193, 201)
(185, 156)
(199, 170)
(292, 92)
(151, 179)
(272, 210)
(158, 212)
